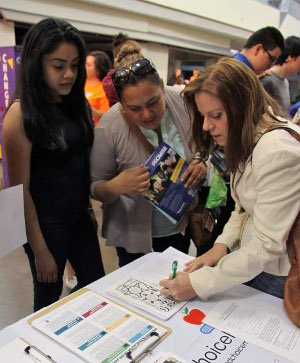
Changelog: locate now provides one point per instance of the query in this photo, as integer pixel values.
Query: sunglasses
(139, 68)
(271, 57)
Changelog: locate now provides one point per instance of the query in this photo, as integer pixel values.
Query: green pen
(174, 268)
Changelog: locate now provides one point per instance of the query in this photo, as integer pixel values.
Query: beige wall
(290, 26)
(209, 26)
(160, 57)
(7, 34)
(147, 22)
(244, 14)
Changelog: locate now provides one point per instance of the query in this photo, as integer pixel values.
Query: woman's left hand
(180, 288)
(195, 172)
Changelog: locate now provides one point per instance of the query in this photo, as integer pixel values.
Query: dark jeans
(270, 284)
(74, 239)
(178, 241)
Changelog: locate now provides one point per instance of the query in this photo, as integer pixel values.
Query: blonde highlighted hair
(131, 52)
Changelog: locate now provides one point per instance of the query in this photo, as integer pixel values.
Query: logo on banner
(206, 329)
(6, 62)
(219, 349)
(11, 63)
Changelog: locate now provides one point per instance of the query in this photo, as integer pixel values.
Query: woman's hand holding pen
(210, 258)
(133, 180)
(180, 288)
(195, 172)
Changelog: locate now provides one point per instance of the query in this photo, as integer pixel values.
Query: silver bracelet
(198, 157)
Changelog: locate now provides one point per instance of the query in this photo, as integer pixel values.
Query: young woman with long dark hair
(47, 134)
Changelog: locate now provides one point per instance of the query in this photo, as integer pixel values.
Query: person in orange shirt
(196, 72)
(97, 65)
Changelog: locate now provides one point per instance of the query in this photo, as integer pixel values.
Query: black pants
(74, 239)
(178, 241)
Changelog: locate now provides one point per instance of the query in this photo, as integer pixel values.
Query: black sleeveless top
(59, 180)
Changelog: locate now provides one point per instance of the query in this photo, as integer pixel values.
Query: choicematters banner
(9, 61)
(197, 342)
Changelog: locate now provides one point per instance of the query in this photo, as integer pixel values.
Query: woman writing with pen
(230, 108)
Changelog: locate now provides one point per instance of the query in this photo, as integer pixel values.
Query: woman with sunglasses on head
(47, 135)
(146, 111)
(230, 108)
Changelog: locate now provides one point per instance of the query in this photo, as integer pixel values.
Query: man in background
(287, 64)
(262, 49)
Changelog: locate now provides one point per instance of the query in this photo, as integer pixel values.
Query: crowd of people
(79, 127)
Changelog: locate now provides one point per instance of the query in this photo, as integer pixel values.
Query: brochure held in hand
(166, 191)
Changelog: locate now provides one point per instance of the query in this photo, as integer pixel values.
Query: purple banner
(9, 61)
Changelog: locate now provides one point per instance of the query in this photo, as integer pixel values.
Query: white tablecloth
(194, 343)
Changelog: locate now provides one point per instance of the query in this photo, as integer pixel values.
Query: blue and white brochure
(166, 191)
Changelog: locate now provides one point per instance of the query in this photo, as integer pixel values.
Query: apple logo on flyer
(195, 316)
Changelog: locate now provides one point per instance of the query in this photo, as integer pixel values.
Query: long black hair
(40, 122)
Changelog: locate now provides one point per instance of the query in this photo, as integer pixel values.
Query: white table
(186, 340)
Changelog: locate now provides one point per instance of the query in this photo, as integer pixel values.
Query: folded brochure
(166, 191)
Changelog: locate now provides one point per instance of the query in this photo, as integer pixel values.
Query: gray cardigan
(127, 221)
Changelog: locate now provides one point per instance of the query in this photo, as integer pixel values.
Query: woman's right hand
(46, 267)
(210, 258)
(133, 180)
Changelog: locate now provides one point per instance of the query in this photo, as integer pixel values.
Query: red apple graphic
(194, 317)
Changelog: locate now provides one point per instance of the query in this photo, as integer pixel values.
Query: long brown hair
(245, 102)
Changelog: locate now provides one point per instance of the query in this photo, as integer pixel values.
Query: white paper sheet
(141, 287)
(12, 221)
(14, 352)
(258, 321)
